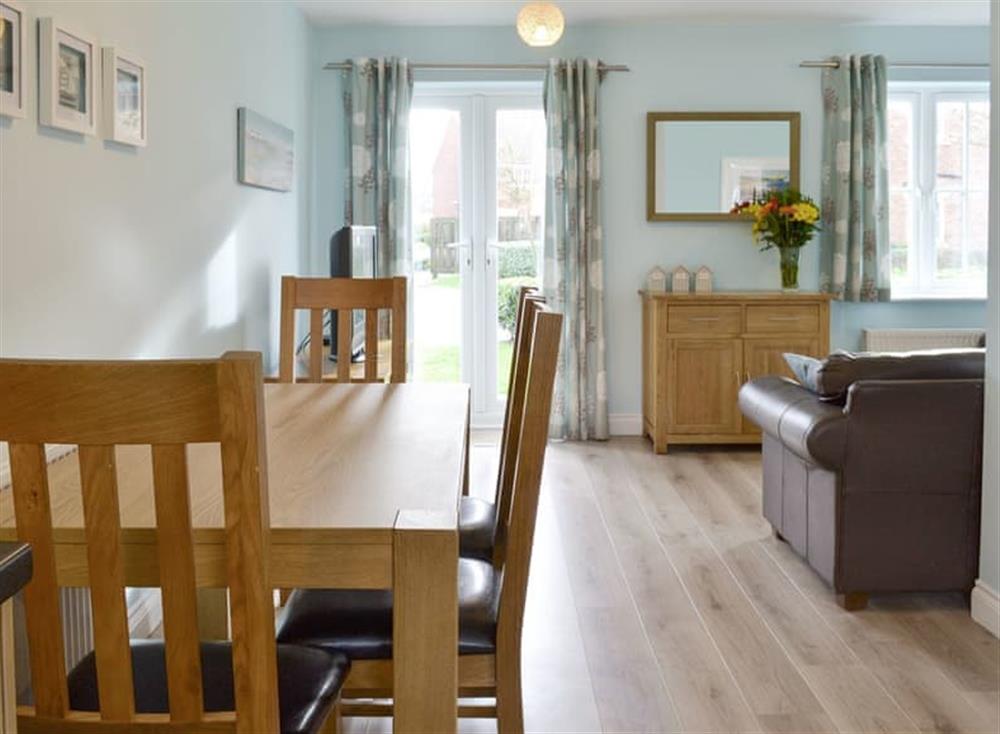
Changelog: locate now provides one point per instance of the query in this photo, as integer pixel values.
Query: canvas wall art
(266, 152)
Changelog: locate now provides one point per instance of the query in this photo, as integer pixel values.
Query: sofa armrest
(914, 436)
(814, 430)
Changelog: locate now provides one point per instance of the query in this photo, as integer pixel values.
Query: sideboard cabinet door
(704, 377)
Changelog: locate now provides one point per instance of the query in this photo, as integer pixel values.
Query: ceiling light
(540, 24)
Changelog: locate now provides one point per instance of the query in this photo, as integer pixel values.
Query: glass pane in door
(520, 209)
(435, 170)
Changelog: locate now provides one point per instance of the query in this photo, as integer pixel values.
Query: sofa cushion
(831, 378)
(804, 368)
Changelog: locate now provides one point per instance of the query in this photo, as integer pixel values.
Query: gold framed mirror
(698, 164)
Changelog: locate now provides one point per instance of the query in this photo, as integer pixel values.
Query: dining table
(364, 483)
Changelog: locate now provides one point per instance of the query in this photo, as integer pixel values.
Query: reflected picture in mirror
(700, 164)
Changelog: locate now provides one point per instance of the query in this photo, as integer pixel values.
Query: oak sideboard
(698, 349)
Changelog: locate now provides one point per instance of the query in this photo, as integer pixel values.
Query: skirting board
(986, 608)
(625, 424)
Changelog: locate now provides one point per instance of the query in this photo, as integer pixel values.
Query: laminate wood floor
(659, 601)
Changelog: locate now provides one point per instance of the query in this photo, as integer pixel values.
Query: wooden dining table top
(344, 458)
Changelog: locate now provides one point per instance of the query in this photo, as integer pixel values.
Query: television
(352, 255)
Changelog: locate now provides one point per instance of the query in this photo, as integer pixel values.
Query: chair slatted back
(343, 295)
(530, 458)
(97, 406)
(510, 438)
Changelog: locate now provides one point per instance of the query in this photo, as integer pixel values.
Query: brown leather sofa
(872, 468)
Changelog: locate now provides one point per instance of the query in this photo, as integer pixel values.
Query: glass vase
(789, 268)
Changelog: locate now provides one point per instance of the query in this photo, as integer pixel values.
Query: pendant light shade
(540, 24)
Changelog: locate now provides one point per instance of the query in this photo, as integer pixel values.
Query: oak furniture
(697, 350)
(479, 534)
(364, 482)
(491, 596)
(698, 162)
(343, 295)
(873, 471)
(248, 685)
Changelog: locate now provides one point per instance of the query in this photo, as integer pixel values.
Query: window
(938, 188)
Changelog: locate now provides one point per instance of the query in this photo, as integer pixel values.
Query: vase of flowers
(785, 220)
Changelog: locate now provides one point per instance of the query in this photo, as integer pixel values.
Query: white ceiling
(503, 12)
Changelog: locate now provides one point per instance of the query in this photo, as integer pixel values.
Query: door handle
(463, 245)
(491, 247)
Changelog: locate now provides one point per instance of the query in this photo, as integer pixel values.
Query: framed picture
(124, 113)
(743, 178)
(266, 152)
(66, 78)
(13, 40)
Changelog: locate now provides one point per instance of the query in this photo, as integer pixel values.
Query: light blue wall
(109, 251)
(673, 68)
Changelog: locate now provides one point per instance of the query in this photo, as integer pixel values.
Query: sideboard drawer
(784, 318)
(705, 319)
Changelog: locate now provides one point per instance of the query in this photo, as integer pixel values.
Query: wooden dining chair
(491, 597)
(343, 295)
(250, 685)
(479, 531)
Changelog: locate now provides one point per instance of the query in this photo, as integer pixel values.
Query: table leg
(8, 687)
(425, 623)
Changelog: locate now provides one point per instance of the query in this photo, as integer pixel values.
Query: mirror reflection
(700, 165)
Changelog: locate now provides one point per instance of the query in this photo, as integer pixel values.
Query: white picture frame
(66, 78)
(13, 59)
(125, 88)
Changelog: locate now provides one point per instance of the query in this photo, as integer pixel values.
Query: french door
(477, 170)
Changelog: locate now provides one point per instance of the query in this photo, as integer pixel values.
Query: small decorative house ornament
(681, 280)
(656, 280)
(703, 280)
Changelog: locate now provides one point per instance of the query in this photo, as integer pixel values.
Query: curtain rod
(479, 67)
(900, 65)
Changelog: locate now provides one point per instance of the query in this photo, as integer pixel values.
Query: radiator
(78, 637)
(910, 340)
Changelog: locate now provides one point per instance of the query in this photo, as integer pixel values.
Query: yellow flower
(805, 212)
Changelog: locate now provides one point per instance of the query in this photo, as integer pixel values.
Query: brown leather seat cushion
(359, 623)
(476, 521)
(309, 681)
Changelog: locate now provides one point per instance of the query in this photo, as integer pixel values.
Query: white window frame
(921, 283)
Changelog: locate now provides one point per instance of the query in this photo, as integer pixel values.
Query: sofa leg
(778, 535)
(854, 601)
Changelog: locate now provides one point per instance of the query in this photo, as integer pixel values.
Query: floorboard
(659, 601)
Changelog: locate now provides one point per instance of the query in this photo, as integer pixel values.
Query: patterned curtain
(574, 257)
(854, 242)
(377, 103)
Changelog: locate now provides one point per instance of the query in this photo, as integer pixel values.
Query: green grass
(437, 364)
(440, 364)
(444, 280)
(504, 352)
